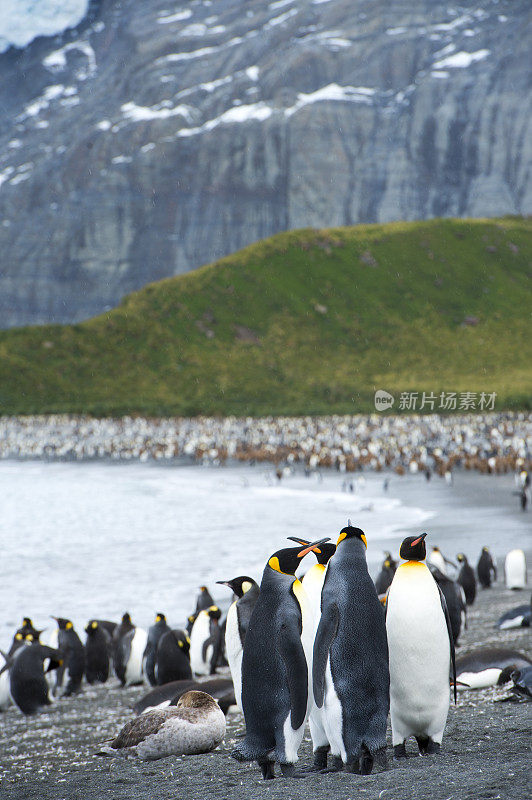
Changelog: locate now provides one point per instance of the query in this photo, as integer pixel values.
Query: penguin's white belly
(234, 652)
(419, 650)
(50, 637)
(514, 622)
(479, 680)
(134, 663)
(292, 738)
(437, 560)
(199, 634)
(313, 585)
(332, 716)
(515, 569)
(5, 694)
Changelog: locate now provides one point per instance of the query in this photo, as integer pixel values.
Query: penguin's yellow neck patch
(299, 591)
(413, 565)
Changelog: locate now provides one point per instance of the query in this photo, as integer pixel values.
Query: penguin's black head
(323, 553)
(126, 619)
(240, 585)
(413, 548)
(214, 612)
(183, 641)
(286, 561)
(350, 532)
(27, 623)
(63, 624)
(485, 549)
(461, 557)
(435, 549)
(92, 626)
(159, 617)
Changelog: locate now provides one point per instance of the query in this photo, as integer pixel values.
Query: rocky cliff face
(158, 136)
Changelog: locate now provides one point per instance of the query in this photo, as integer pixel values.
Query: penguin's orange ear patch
(68, 626)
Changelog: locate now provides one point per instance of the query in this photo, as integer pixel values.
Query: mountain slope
(306, 322)
(156, 136)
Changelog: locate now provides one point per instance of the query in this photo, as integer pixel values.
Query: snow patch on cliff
(21, 21)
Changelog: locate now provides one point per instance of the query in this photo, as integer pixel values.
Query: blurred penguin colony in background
(335, 649)
(432, 444)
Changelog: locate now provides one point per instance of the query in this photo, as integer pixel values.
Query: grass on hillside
(306, 322)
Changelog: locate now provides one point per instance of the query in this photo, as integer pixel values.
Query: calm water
(96, 539)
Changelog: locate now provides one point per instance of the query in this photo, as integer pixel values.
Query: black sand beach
(485, 752)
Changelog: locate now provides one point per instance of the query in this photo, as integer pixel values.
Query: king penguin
(485, 568)
(466, 579)
(236, 627)
(73, 652)
(206, 641)
(351, 678)
(129, 652)
(276, 667)
(313, 585)
(173, 657)
(27, 683)
(150, 653)
(438, 560)
(515, 570)
(421, 653)
(96, 653)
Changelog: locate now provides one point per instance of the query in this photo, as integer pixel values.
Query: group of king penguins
(334, 649)
(328, 650)
(44, 665)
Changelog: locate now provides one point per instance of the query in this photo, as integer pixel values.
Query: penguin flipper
(451, 638)
(322, 644)
(293, 656)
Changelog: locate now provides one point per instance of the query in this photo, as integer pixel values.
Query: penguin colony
(335, 650)
(489, 443)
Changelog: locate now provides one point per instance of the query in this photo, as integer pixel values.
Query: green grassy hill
(306, 322)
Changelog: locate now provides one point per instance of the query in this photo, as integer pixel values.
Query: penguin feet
(365, 761)
(320, 760)
(427, 746)
(399, 751)
(380, 760)
(289, 771)
(336, 766)
(267, 769)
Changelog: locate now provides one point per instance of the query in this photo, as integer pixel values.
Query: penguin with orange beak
(277, 666)
(350, 673)
(421, 652)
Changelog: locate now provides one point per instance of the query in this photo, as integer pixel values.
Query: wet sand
(485, 753)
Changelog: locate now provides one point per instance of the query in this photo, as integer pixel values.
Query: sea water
(95, 539)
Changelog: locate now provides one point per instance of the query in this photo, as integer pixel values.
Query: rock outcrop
(156, 137)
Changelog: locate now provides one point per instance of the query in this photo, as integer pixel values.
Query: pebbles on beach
(485, 751)
(489, 443)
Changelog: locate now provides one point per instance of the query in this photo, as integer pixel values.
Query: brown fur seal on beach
(195, 725)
